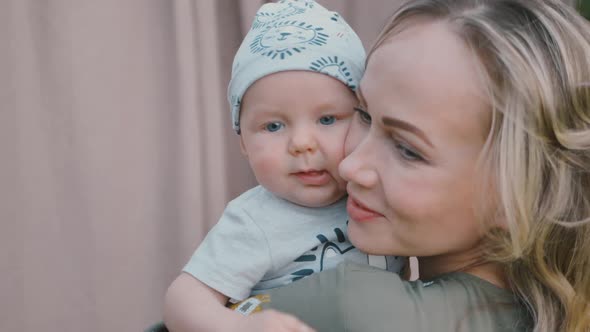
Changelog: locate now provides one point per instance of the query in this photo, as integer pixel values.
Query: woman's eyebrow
(391, 122)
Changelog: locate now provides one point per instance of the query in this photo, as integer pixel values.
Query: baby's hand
(274, 321)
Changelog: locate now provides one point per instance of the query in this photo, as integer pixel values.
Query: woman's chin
(361, 239)
(373, 243)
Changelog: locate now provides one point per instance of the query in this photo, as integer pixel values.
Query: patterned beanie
(295, 35)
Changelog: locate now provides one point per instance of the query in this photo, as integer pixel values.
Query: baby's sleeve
(233, 257)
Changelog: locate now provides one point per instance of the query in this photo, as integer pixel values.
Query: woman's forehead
(429, 54)
(427, 70)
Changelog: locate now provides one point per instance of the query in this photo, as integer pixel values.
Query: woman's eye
(408, 153)
(273, 126)
(327, 120)
(363, 115)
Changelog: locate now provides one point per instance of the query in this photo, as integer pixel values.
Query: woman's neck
(471, 262)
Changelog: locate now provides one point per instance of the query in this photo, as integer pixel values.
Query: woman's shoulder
(361, 298)
(451, 302)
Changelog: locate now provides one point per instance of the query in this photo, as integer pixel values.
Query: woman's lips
(313, 178)
(358, 212)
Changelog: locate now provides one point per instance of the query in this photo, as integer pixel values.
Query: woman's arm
(357, 298)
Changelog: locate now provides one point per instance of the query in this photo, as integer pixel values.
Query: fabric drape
(116, 150)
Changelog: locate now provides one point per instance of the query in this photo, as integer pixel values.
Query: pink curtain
(116, 150)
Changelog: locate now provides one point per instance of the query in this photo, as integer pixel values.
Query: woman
(471, 151)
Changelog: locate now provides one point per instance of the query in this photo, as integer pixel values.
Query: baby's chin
(315, 200)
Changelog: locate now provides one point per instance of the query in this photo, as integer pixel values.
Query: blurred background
(116, 150)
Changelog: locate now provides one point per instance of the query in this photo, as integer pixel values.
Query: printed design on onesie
(286, 38)
(332, 66)
(306, 3)
(293, 8)
(327, 250)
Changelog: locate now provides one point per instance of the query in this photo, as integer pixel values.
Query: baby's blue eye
(273, 126)
(327, 120)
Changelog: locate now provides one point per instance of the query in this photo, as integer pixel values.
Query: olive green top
(356, 298)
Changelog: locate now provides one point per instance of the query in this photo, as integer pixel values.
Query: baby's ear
(243, 147)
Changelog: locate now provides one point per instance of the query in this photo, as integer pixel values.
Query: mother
(471, 151)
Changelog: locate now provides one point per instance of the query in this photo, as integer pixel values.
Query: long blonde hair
(535, 61)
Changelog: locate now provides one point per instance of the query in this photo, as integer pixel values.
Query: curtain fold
(116, 151)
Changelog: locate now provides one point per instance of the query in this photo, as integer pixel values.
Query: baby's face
(293, 125)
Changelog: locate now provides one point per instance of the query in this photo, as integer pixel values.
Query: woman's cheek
(408, 201)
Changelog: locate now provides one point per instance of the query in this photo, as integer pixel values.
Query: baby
(292, 98)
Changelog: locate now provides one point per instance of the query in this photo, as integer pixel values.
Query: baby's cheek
(337, 156)
(341, 184)
(265, 166)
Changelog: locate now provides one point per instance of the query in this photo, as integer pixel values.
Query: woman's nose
(356, 168)
(302, 141)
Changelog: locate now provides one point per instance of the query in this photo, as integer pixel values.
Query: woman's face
(413, 146)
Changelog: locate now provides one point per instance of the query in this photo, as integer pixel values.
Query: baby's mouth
(313, 177)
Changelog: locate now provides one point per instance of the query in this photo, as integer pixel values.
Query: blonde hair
(535, 61)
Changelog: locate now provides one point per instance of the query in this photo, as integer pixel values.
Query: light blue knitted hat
(295, 35)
